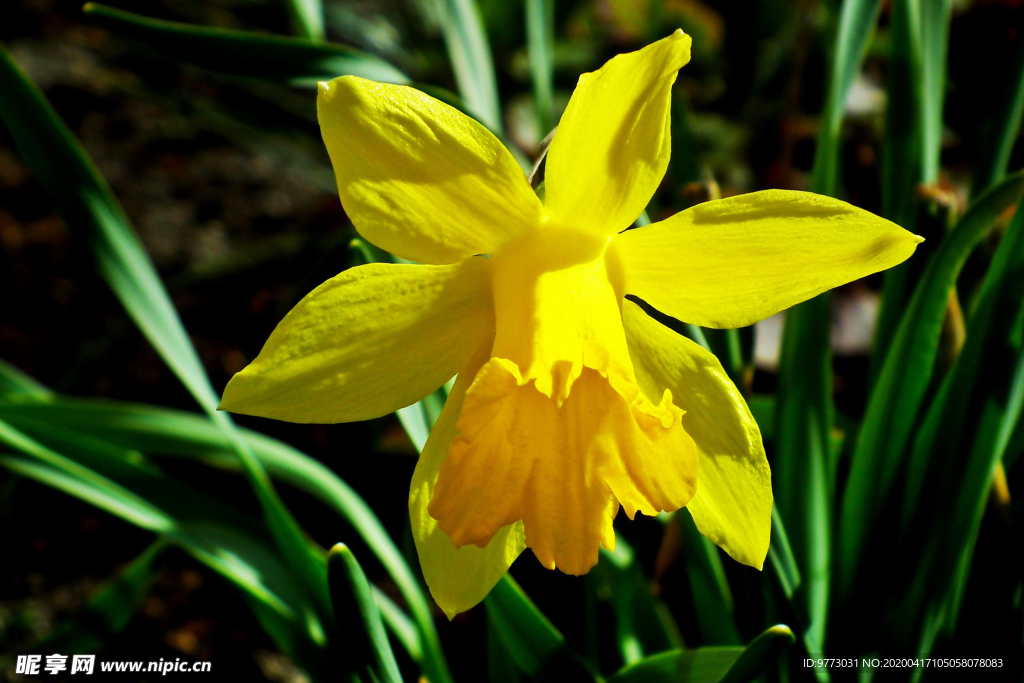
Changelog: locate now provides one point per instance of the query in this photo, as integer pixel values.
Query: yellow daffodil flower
(570, 400)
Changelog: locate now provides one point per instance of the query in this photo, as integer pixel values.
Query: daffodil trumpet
(570, 401)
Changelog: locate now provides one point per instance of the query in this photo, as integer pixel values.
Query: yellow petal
(733, 502)
(419, 178)
(557, 308)
(612, 145)
(367, 342)
(562, 470)
(458, 578)
(732, 262)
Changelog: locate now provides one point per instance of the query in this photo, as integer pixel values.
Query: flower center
(554, 430)
(557, 302)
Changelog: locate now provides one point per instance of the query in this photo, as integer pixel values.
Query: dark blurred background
(231, 191)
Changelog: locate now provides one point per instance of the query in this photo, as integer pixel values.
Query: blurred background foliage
(890, 410)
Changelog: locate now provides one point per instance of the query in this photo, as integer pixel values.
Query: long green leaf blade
(470, 55)
(890, 419)
(307, 18)
(856, 24)
(354, 603)
(534, 643)
(1004, 128)
(290, 61)
(166, 432)
(902, 155)
(86, 203)
(935, 18)
(540, 43)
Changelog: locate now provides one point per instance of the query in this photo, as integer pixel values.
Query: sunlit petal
(733, 502)
(419, 178)
(458, 578)
(732, 262)
(612, 145)
(374, 339)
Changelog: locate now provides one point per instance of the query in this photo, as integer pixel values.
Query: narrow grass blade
(856, 24)
(86, 203)
(803, 411)
(709, 588)
(289, 61)
(781, 558)
(109, 609)
(804, 480)
(14, 382)
(760, 655)
(165, 432)
(762, 407)
(500, 666)
(974, 414)
(399, 624)
(935, 17)
(470, 55)
(643, 623)
(535, 645)
(307, 18)
(901, 156)
(363, 644)
(1003, 128)
(711, 664)
(890, 419)
(540, 44)
(699, 665)
(227, 541)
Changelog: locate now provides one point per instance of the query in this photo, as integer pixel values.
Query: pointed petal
(458, 578)
(733, 502)
(732, 262)
(612, 146)
(367, 342)
(419, 178)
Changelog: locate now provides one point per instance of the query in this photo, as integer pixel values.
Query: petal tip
(918, 239)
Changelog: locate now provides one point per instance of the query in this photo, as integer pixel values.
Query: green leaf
(891, 416)
(762, 407)
(536, 646)
(935, 17)
(109, 609)
(781, 558)
(307, 18)
(643, 623)
(760, 655)
(804, 486)
(165, 432)
(804, 481)
(86, 203)
(856, 24)
(709, 588)
(405, 630)
(470, 55)
(540, 44)
(217, 535)
(14, 382)
(363, 643)
(700, 665)
(500, 666)
(902, 156)
(711, 664)
(1003, 129)
(975, 413)
(289, 61)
